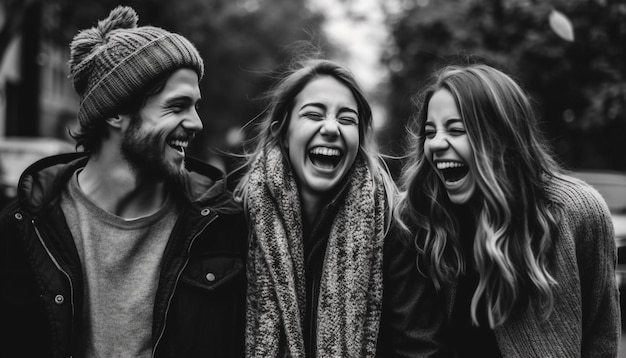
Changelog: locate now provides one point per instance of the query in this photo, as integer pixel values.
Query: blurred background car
(17, 153)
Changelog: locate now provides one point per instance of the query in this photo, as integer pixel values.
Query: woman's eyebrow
(323, 107)
(348, 109)
(314, 104)
(453, 120)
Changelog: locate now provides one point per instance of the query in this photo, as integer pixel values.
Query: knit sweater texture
(585, 320)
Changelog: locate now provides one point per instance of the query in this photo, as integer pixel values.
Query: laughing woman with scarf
(326, 279)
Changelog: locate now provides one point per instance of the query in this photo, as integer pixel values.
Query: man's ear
(119, 121)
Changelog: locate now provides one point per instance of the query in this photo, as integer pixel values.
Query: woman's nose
(330, 127)
(438, 142)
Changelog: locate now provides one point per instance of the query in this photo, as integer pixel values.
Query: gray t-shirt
(121, 261)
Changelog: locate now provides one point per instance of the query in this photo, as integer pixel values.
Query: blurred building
(36, 95)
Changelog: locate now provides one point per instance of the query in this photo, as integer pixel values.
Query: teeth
(179, 143)
(330, 152)
(447, 165)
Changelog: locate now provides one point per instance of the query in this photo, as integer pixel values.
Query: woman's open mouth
(453, 171)
(325, 157)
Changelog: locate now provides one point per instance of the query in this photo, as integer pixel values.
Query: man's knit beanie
(113, 62)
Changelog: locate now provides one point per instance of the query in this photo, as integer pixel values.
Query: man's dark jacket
(199, 309)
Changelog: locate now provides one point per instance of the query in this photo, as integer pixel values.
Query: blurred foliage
(579, 87)
(11, 24)
(244, 44)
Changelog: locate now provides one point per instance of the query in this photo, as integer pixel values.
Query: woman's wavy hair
(511, 162)
(274, 120)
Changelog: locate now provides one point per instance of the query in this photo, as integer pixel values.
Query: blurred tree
(14, 21)
(580, 86)
(14, 17)
(243, 43)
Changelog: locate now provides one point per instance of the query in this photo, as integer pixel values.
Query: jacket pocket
(207, 314)
(210, 273)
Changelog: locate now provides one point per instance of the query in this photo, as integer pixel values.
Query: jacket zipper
(180, 272)
(58, 266)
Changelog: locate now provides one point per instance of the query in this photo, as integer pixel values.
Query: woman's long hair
(274, 121)
(514, 225)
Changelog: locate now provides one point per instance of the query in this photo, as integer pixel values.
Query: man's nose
(193, 122)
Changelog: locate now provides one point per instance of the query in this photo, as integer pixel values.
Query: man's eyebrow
(181, 98)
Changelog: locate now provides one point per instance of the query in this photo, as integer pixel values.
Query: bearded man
(128, 248)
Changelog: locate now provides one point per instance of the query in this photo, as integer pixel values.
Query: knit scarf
(351, 287)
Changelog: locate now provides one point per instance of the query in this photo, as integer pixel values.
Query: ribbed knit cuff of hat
(134, 72)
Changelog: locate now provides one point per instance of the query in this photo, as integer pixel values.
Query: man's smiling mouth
(325, 157)
(453, 171)
(179, 145)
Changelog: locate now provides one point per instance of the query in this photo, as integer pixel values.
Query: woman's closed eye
(348, 120)
(313, 116)
(430, 132)
(456, 131)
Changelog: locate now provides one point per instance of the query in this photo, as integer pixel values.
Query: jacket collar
(41, 183)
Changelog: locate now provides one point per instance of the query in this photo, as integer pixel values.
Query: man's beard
(143, 152)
